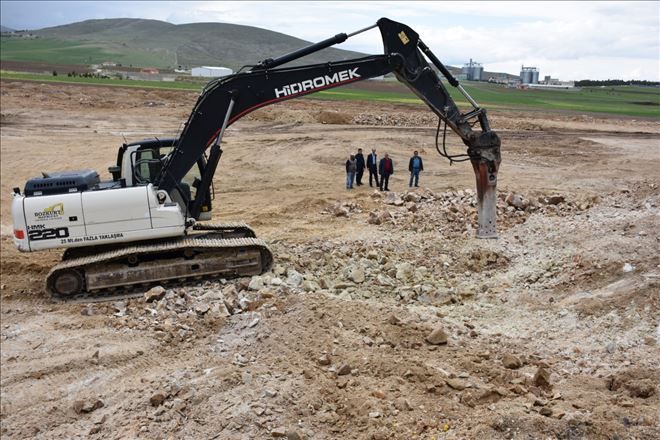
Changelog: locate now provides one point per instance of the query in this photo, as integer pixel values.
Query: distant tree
(614, 82)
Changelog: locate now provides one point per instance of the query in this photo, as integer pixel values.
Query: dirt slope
(383, 316)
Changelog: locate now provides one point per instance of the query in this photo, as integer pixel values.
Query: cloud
(566, 39)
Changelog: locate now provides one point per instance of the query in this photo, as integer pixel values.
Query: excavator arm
(226, 100)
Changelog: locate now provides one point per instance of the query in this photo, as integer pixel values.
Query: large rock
(344, 370)
(154, 294)
(356, 274)
(340, 211)
(379, 217)
(438, 297)
(402, 404)
(404, 271)
(437, 337)
(421, 274)
(212, 295)
(87, 406)
(412, 197)
(455, 384)
(310, 286)
(294, 278)
(517, 201)
(644, 388)
(279, 432)
(512, 362)
(201, 308)
(556, 200)
(384, 280)
(230, 291)
(542, 378)
(256, 283)
(157, 399)
(293, 435)
(393, 199)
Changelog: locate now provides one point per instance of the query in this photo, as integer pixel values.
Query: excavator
(149, 223)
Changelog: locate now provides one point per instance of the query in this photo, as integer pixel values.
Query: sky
(566, 40)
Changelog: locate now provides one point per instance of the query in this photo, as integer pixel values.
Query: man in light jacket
(351, 166)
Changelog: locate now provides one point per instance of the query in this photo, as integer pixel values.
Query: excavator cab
(141, 163)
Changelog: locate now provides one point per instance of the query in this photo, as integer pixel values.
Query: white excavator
(147, 225)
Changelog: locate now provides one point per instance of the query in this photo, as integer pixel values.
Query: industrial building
(211, 71)
(529, 75)
(473, 71)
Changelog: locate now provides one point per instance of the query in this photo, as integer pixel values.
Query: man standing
(415, 166)
(359, 163)
(350, 172)
(386, 169)
(372, 166)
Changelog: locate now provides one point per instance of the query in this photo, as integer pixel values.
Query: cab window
(147, 168)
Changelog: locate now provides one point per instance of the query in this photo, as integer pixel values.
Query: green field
(622, 100)
(62, 78)
(55, 51)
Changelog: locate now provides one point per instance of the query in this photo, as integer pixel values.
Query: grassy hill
(142, 43)
(154, 43)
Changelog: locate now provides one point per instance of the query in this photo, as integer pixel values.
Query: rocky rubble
(373, 337)
(396, 119)
(453, 212)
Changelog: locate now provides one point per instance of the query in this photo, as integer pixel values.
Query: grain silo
(529, 75)
(473, 71)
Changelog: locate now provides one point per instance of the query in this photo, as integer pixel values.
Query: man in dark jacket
(359, 170)
(386, 169)
(415, 166)
(372, 166)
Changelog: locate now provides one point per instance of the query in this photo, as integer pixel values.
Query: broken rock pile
(454, 212)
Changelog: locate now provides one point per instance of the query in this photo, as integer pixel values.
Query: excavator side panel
(92, 218)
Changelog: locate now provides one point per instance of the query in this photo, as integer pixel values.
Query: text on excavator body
(318, 82)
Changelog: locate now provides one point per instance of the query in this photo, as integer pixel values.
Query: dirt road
(383, 317)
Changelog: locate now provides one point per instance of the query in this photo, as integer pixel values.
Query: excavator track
(218, 230)
(127, 271)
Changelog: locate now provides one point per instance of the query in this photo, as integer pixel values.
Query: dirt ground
(383, 316)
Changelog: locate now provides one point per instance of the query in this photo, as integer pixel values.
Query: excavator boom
(226, 100)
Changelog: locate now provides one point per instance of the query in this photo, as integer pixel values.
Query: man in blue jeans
(351, 167)
(415, 166)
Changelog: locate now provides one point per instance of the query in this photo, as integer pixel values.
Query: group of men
(380, 171)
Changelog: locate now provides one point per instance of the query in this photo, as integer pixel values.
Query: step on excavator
(149, 224)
